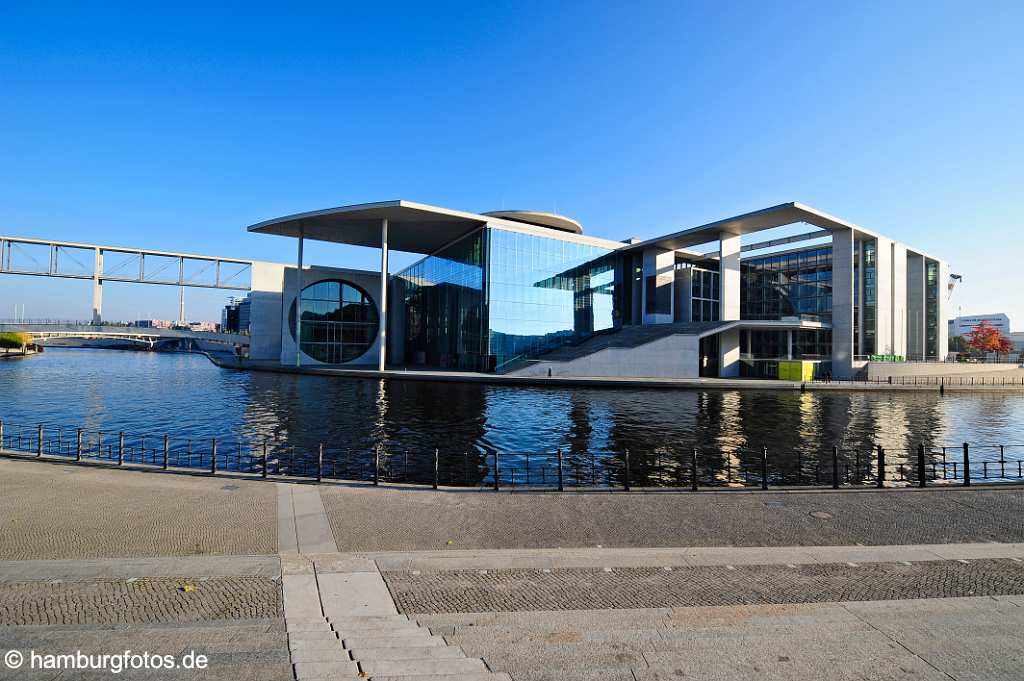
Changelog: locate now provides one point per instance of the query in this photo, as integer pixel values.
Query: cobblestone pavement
(148, 600)
(523, 590)
(253, 649)
(50, 511)
(408, 519)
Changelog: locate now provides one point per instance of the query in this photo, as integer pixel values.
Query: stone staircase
(382, 647)
(626, 337)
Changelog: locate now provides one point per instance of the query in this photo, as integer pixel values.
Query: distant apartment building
(154, 323)
(961, 326)
(235, 317)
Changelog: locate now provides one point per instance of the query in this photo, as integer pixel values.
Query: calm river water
(187, 396)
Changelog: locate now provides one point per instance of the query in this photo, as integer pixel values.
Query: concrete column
(382, 337)
(298, 297)
(943, 311)
(729, 279)
(789, 343)
(842, 302)
(729, 304)
(97, 289)
(899, 299)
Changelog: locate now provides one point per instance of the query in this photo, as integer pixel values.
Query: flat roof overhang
(748, 223)
(412, 227)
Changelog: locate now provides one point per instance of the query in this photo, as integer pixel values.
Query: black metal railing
(677, 468)
(935, 381)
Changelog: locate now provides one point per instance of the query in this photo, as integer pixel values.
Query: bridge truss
(69, 260)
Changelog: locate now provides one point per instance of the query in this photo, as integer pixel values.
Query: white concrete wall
(267, 281)
(661, 264)
(842, 302)
(881, 370)
(883, 296)
(899, 299)
(729, 353)
(729, 279)
(368, 281)
(675, 356)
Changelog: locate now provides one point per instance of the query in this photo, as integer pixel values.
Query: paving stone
(117, 601)
(525, 590)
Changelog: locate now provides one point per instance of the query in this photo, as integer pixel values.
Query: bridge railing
(679, 468)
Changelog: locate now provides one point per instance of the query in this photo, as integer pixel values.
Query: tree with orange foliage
(986, 338)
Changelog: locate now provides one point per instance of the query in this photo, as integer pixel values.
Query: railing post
(167, 451)
(213, 456)
(78, 446)
(693, 464)
(627, 471)
(320, 464)
(764, 468)
(881, 467)
(561, 487)
(39, 440)
(435, 467)
(497, 472)
(921, 475)
(263, 471)
(120, 448)
(835, 467)
(376, 466)
(967, 465)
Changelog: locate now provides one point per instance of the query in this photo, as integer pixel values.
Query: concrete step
(312, 670)
(411, 641)
(398, 627)
(315, 644)
(472, 676)
(321, 635)
(320, 655)
(419, 667)
(345, 619)
(397, 653)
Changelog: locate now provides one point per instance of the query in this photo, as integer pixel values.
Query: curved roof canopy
(533, 217)
(412, 227)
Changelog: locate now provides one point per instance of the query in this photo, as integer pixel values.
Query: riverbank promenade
(294, 581)
(288, 580)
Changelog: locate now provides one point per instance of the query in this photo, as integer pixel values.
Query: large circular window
(339, 321)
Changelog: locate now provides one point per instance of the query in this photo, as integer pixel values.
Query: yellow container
(795, 370)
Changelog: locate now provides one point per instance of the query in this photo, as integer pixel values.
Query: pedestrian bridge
(44, 330)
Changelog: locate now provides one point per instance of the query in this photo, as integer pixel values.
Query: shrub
(14, 340)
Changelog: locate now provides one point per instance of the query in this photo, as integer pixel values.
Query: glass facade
(496, 296)
(445, 306)
(931, 309)
(705, 292)
(339, 321)
(797, 284)
(869, 258)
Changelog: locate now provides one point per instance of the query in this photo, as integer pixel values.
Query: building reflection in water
(189, 398)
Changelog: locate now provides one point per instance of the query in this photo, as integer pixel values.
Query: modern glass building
(527, 292)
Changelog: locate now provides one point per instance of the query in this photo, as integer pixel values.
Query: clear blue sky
(174, 127)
